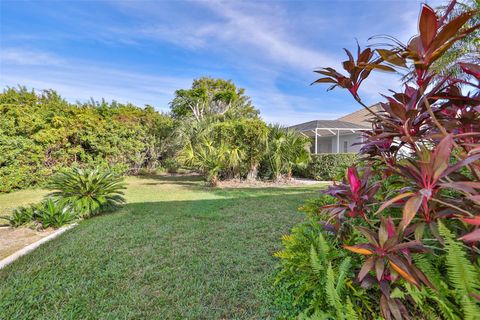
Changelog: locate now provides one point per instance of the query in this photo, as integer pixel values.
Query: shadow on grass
(188, 259)
(189, 180)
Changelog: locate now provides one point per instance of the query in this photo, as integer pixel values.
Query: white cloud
(28, 57)
(81, 80)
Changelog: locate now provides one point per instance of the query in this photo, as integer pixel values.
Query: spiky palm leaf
(89, 192)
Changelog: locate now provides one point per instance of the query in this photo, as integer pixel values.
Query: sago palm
(89, 192)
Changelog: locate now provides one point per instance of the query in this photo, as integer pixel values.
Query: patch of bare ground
(14, 239)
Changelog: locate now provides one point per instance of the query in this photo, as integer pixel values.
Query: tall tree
(209, 96)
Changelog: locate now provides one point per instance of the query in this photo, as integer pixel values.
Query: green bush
(40, 133)
(313, 279)
(48, 213)
(21, 216)
(54, 214)
(328, 166)
(89, 192)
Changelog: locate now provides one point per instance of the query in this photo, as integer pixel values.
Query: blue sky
(142, 51)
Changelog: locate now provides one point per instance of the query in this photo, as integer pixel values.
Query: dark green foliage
(314, 277)
(41, 133)
(88, 192)
(285, 150)
(54, 214)
(328, 166)
(21, 216)
(222, 148)
(47, 213)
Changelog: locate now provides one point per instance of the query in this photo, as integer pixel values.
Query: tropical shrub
(21, 216)
(89, 192)
(222, 148)
(414, 220)
(40, 133)
(286, 149)
(317, 273)
(53, 214)
(327, 166)
(46, 214)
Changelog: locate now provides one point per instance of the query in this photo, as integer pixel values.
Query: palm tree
(286, 149)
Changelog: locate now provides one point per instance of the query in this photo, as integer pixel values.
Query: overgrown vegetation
(404, 222)
(212, 128)
(41, 133)
(327, 166)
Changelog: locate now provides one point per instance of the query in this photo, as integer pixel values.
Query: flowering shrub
(434, 123)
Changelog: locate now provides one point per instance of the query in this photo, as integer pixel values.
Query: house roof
(361, 116)
(357, 120)
(328, 124)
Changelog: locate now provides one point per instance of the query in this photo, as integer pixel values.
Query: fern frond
(350, 313)
(324, 247)
(461, 274)
(332, 296)
(343, 270)
(315, 261)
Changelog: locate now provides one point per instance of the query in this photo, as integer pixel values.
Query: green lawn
(177, 250)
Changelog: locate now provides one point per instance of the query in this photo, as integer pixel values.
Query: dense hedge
(327, 166)
(41, 133)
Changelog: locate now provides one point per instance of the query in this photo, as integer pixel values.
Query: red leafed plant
(427, 135)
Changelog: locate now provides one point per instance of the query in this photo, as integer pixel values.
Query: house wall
(347, 139)
(329, 144)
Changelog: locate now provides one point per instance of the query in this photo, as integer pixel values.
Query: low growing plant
(88, 191)
(54, 214)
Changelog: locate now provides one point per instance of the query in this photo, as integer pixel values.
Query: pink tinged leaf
(471, 69)
(461, 164)
(466, 186)
(427, 25)
(394, 309)
(410, 209)
(353, 179)
(473, 236)
(474, 221)
(391, 201)
(475, 198)
(379, 268)
(441, 156)
(367, 266)
(390, 228)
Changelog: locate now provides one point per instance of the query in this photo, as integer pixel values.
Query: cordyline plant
(429, 136)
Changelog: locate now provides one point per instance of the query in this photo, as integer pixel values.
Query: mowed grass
(177, 250)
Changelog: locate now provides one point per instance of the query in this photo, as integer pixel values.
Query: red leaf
(427, 26)
(354, 179)
(471, 69)
(367, 266)
(441, 156)
(473, 236)
(389, 202)
(411, 208)
(475, 221)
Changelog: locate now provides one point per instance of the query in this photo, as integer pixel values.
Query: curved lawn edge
(25, 250)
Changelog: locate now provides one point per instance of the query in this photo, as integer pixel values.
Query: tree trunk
(252, 174)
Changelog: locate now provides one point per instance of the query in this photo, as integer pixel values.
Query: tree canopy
(209, 96)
